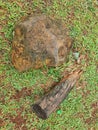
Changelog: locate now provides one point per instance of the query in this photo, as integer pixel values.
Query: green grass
(18, 91)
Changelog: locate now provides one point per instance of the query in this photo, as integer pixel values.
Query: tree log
(47, 104)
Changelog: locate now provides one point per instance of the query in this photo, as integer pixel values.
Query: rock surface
(40, 41)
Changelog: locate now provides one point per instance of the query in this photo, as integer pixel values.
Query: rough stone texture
(39, 41)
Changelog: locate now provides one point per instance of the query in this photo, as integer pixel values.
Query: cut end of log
(39, 111)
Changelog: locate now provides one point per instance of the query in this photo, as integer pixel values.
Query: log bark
(47, 104)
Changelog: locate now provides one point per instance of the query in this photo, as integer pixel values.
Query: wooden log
(47, 104)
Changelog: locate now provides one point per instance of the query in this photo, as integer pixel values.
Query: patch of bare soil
(19, 121)
(22, 93)
(94, 114)
(1, 123)
(94, 105)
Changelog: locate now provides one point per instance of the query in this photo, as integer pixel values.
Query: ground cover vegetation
(19, 90)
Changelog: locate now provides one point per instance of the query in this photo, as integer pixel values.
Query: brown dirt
(22, 93)
(94, 114)
(19, 122)
(1, 123)
(85, 93)
(95, 104)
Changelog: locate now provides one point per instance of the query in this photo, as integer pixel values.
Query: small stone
(76, 55)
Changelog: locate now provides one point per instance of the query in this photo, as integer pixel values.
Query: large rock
(39, 41)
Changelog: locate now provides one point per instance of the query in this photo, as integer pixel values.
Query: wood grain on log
(47, 104)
